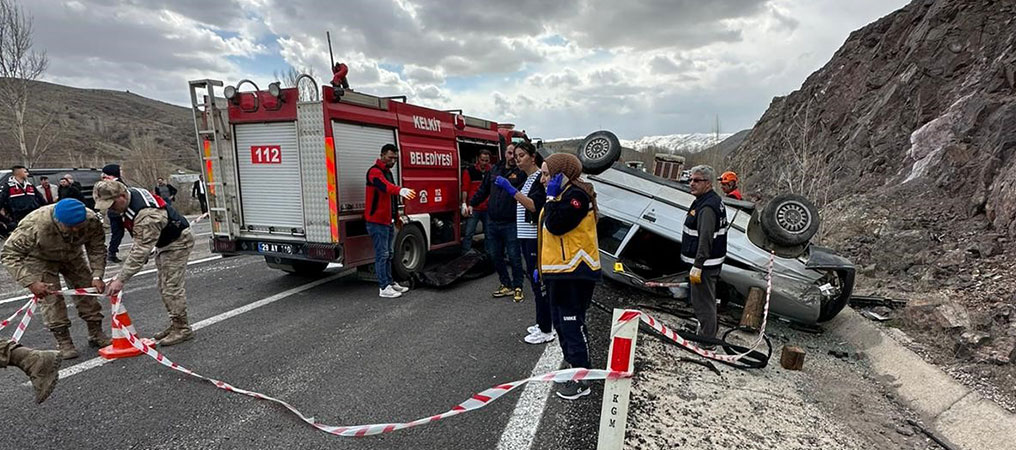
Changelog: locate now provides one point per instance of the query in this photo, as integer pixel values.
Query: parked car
(87, 178)
(641, 217)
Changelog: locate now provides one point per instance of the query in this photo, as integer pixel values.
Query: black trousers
(115, 232)
(703, 301)
(569, 300)
(541, 300)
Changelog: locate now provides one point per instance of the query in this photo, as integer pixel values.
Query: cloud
(562, 68)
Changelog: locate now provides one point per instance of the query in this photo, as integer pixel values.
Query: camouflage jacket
(38, 239)
(148, 225)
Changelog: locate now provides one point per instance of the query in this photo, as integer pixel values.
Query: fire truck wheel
(599, 151)
(296, 266)
(410, 252)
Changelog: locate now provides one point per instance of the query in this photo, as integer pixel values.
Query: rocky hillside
(907, 138)
(92, 127)
(923, 100)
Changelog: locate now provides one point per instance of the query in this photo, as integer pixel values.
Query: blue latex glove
(536, 276)
(503, 183)
(554, 185)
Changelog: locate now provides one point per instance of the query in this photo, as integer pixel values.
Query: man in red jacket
(380, 211)
(472, 178)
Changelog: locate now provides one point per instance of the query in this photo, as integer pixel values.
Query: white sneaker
(533, 329)
(539, 337)
(398, 288)
(389, 292)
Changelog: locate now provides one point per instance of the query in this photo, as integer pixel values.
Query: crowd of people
(539, 223)
(57, 235)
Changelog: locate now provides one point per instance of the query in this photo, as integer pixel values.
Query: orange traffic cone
(121, 347)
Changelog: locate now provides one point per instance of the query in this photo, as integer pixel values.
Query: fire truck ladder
(218, 160)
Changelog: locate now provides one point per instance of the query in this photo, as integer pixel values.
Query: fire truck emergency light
(275, 90)
(230, 93)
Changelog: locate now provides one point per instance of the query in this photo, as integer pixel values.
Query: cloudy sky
(558, 68)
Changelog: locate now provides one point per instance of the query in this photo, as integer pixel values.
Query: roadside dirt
(834, 402)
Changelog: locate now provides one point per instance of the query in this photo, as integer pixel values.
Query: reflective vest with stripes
(690, 236)
(573, 255)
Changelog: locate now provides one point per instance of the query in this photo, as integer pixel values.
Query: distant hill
(94, 127)
(714, 155)
(686, 143)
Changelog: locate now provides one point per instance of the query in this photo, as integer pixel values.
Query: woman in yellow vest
(569, 259)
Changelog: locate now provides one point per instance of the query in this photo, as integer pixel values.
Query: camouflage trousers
(6, 347)
(77, 274)
(171, 263)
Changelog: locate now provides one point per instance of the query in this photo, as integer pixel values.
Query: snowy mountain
(674, 143)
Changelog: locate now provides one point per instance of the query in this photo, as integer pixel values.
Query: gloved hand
(695, 275)
(407, 193)
(555, 185)
(536, 276)
(503, 183)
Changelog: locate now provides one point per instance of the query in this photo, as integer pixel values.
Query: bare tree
(804, 174)
(290, 77)
(146, 164)
(19, 67)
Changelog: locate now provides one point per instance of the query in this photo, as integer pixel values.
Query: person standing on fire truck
(472, 178)
(152, 223)
(502, 233)
(381, 212)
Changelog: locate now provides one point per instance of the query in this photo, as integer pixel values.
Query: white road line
(143, 272)
(131, 243)
(99, 361)
(525, 420)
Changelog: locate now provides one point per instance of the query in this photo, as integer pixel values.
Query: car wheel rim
(793, 217)
(410, 257)
(597, 148)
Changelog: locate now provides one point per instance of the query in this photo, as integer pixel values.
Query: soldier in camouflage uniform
(152, 224)
(41, 366)
(48, 243)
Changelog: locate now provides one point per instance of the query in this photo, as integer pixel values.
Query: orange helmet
(728, 177)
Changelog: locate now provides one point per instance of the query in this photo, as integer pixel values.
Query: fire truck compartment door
(268, 161)
(357, 148)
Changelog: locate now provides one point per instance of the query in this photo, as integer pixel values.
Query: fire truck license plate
(268, 247)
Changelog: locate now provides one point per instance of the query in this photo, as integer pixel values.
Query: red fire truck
(286, 176)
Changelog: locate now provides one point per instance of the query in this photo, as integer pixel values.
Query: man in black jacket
(19, 197)
(501, 219)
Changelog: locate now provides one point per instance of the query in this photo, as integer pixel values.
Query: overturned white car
(641, 218)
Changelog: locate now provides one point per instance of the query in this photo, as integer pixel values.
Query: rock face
(920, 104)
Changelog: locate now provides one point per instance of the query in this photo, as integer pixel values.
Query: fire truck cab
(286, 176)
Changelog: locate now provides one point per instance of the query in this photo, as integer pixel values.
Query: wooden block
(753, 308)
(792, 357)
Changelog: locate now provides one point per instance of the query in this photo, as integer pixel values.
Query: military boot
(162, 334)
(64, 343)
(179, 331)
(96, 336)
(41, 366)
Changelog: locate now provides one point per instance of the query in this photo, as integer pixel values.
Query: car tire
(599, 151)
(410, 252)
(296, 266)
(790, 220)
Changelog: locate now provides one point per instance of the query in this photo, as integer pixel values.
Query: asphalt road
(336, 351)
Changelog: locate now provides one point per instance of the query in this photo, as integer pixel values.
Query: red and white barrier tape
(29, 310)
(475, 402)
(672, 335)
